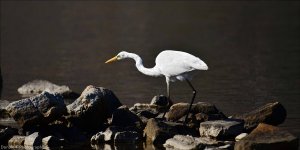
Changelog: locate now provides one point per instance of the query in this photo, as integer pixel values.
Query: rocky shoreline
(98, 118)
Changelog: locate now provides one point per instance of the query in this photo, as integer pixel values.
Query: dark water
(252, 49)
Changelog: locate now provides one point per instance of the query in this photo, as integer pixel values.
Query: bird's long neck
(139, 65)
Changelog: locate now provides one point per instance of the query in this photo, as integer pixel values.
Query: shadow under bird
(174, 65)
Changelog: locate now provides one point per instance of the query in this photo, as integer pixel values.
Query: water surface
(252, 49)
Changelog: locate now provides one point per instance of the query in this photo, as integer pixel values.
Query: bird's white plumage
(178, 64)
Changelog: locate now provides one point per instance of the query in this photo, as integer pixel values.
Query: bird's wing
(173, 63)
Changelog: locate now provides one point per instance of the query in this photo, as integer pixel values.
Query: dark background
(252, 49)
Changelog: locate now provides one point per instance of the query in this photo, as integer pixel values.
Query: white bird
(174, 65)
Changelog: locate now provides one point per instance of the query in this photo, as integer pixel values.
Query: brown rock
(179, 110)
(158, 132)
(271, 113)
(16, 141)
(221, 129)
(267, 137)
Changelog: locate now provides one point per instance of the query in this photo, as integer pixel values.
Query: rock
(160, 100)
(240, 136)
(127, 137)
(129, 146)
(223, 147)
(17, 141)
(125, 118)
(69, 134)
(145, 110)
(268, 137)
(97, 138)
(221, 129)
(182, 142)
(4, 114)
(51, 141)
(40, 109)
(33, 140)
(38, 86)
(6, 134)
(158, 132)
(110, 133)
(179, 110)
(93, 107)
(102, 147)
(209, 142)
(271, 113)
(189, 142)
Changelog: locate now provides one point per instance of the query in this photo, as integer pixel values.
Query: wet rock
(221, 129)
(40, 109)
(182, 142)
(160, 100)
(179, 110)
(3, 113)
(102, 147)
(127, 137)
(69, 134)
(268, 137)
(240, 136)
(223, 147)
(210, 142)
(97, 138)
(38, 86)
(145, 110)
(6, 134)
(271, 113)
(129, 146)
(189, 142)
(16, 141)
(51, 141)
(124, 117)
(110, 133)
(158, 132)
(93, 107)
(33, 140)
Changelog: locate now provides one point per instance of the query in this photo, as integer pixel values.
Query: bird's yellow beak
(112, 60)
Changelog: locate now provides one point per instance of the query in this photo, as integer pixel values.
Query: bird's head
(120, 56)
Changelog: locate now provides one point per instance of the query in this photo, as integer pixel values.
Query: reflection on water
(251, 48)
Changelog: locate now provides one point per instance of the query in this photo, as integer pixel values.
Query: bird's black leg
(192, 101)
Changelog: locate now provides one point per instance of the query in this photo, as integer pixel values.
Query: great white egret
(174, 65)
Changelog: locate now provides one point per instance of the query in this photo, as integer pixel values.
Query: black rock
(33, 140)
(40, 109)
(6, 134)
(125, 118)
(161, 100)
(92, 108)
